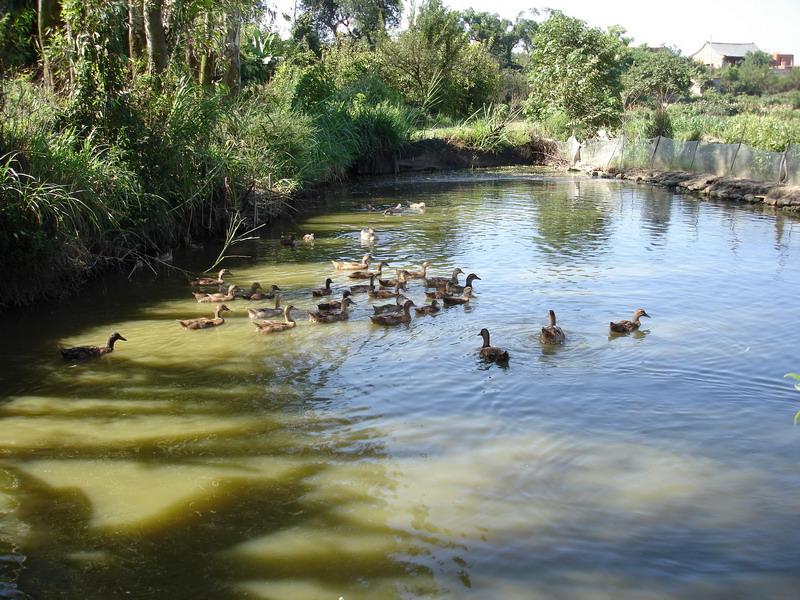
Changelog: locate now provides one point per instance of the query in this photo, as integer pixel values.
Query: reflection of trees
(572, 219)
(657, 212)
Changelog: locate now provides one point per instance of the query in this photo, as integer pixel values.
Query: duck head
(640, 312)
(485, 335)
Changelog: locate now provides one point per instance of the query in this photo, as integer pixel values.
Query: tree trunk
(233, 73)
(136, 36)
(49, 18)
(207, 58)
(157, 53)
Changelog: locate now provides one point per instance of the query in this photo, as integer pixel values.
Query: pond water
(355, 461)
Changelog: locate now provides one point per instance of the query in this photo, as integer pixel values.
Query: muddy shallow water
(355, 461)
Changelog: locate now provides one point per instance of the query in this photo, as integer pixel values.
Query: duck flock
(437, 289)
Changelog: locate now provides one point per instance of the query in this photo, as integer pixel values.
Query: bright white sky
(774, 25)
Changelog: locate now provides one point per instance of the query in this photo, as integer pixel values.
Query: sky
(774, 25)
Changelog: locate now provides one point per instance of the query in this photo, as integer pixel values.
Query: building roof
(733, 50)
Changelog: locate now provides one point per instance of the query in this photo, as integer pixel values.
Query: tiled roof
(735, 50)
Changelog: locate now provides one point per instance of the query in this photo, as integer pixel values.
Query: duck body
(368, 274)
(368, 235)
(429, 309)
(84, 352)
(207, 281)
(360, 289)
(262, 295)
(333, 304)
(400, 281)
(331, 317)
(308, 238)
(326, 291)
(552, 334)
(629, 326)
(459, 289)
(205, 322)
(383, 309)
(458, 300)
(381, 294)
(421, 274)
(218, 297)
(417, 206)
(266, 312)
(443, 282)
(491, 353)
(267, 327)
(394, 318)
(344, 265)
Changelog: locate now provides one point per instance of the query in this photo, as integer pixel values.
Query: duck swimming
(360, 289)
(218, 297)
(334, 304)
(308, 238)
(397, 306)
(331, 317)
(368, 235)
(326, 291)
(205, 322)
(552, 334)
(368, 274)
(628, 326)
(457, 300)
(442, 282)
(428, 309)
(345, 265)
(459, 289)
(265, 312)
(83, 352)
(415, 274)
(262, 295)
(207, 281)
(489, 352)
(266, 327)
(373, 293)
(394, 318)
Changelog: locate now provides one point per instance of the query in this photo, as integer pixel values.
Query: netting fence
(665, 154)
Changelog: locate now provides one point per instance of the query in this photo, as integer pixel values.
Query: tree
(49, 18)
(575, 70)
(754, 76)
(157, 51)
(500, 36)
(658, 77)
(360, 19)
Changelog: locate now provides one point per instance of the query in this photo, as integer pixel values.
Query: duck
(394, 318)
(438, 294)
(415, 274)
(382, 309)
(345, 265)
(206, 281)
(334, 304)
(83, 352)
(428, 309)
(205, 322)
(266, 327)
(368, 274)
(400, 280)
(218, 297)
(360, 289)
(264, 312)
(435, 282)
(373, 293)
(240, 292)
(418, 206)
(457, 300)
(308, 238)
(262, 295)
(331, 317)
(489, 352)
(394, 210)
(326, 291)
(459, 289)
(552, 334)
(288, 240)
(628, 326)
(368, 235)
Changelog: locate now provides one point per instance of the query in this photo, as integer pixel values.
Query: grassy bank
(76, 202)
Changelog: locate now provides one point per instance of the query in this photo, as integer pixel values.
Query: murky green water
(356, 461)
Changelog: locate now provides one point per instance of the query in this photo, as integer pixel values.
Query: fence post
(655, 149)
(783, 171)
(694, 156)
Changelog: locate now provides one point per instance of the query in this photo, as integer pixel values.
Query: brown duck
(345, 265)
(205, 322)
(394, 318)
(83, 352)
(428, 309)
(367, 287)
(457, 300)
(368, 274)
(397, 306)
(489, 352)
(628, 326)
(262, 295)
(459, 289)
(206, 281)
(331, 317)
(373, 293)
(415, 274)
(552, 334)
(326, 291)
(219, 297)
(264, 312)
(436, 282)
(334, 304)
(266, 327)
